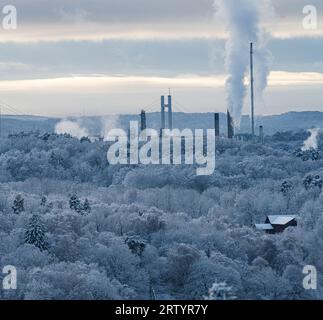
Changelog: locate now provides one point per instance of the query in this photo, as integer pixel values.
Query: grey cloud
(61, 20)
(166, 58)
(111, 11)
(134, 11)
(163, 58)
(293, 8)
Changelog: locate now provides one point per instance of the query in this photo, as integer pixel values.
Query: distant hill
(14, 124)
(291, 121)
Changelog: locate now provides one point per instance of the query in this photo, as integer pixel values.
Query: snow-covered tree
(220, 291)
(312, 181)
(18, 204)
(86, 207)
(43, 201)
(75, 203)
(35, 233)
(286, 187)
(136, 246)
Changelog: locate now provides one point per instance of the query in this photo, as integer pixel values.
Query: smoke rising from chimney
(243, 23)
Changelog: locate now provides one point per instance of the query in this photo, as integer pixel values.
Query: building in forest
(277, 223)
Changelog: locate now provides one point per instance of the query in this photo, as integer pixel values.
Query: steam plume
(108, 123)
(243, 23)
(72, 128)
(311, 142)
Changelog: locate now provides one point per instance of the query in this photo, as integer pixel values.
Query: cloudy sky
(73, 57)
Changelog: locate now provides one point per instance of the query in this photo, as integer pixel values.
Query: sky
(81, 57)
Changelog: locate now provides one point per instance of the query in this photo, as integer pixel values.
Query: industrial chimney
(170, 112)
(217, 124)
(252, 91)
(143, 123)
(261, 134)
(162, 112)
(230, 126)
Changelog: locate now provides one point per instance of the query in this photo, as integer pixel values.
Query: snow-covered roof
(281, 220)
(265, 226)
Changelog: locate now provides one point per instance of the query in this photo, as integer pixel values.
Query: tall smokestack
(170, 113)
(252, 91)
(261, 134)
(163, 123)
(230, 126)
(217, 124)
(143, 123)
(243, 21)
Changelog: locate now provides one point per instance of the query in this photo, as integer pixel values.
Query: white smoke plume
(109, 123)
(312, 141)
(72, 128)
(243, 20)
(76, 130)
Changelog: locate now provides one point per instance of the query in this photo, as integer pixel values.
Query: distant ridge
(290, 121)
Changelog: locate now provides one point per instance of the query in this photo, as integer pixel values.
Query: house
(277, 223)
(265, 227)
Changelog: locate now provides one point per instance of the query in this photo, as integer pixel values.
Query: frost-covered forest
(77, 228)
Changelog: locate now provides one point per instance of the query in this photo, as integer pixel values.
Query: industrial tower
(169, 109)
